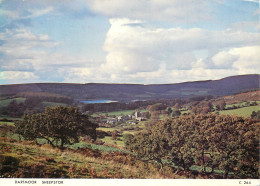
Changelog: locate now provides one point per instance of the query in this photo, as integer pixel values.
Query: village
(113, 120)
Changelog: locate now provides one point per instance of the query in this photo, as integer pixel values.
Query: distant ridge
(126, 92)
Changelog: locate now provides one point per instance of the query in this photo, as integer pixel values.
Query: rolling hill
(127, 92)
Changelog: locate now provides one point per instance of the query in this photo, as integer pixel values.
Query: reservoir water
(97, 101)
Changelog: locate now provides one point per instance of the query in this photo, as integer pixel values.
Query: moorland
(203, 129)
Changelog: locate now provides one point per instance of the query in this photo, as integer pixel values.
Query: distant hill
(126, 92)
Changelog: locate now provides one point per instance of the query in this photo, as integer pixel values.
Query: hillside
(242, 97)
(127, 92)
(118, 149)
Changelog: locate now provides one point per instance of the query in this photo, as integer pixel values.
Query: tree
(177, 106)
(176, 113)
(62, 125)
(14, 109)
(255, 115)
(169, 110)
(146, 115)
(161, 142)
(156, 107)
(210, 141)
(155, 115)
(234, 145)
(145, 144)
(114, 135)
(221, 105)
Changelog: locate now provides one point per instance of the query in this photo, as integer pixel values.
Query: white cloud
(134, 49)
(28, 9)
(10, 14)
(39, 12)
(246, 26)
(18, 77)
(253, 1)
(23, 50)
(257, 12)
(171, 10)
(224, 59)
(136, 52)
(249, 59)
(77, 74)
(26, 57)
(242, 59)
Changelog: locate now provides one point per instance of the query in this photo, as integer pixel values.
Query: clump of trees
(156, 107)
(212, 142)
(221, 105)
(202, 107)
(33, 103)
(13, 109)
(45, 96)
(255, 115)
(58, 125)
(116, 106)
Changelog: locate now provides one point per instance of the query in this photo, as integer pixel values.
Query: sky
(122, 41)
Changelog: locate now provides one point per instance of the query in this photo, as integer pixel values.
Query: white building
(140, 118)
(111, 121)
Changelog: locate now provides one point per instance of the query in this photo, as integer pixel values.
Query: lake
(97, 101)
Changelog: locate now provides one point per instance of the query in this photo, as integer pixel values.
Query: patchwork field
(108, 156)
(5, 102)
(244, 112)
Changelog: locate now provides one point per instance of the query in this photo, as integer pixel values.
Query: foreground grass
(22, 159)
(104, 148)
(25, 159)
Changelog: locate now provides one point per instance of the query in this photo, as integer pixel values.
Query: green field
(6, 123)
(123, 112)
(130, 132)
(242, 104)
(109, 140)
(118, 113)
(106, 129)
(52, 104)
(244, 112)
(9, 118)
(5, 102)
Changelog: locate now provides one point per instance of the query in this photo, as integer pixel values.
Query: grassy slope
(241, 104)
(5, 102)
(107, 161)
(106, 129)
(69, 163)
(244, 112)
(35, 161)
(109, 140)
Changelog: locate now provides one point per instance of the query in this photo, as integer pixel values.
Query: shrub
(8, 165)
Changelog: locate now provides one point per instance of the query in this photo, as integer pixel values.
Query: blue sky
(121, 41)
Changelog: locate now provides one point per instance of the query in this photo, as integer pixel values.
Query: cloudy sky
(127, 41)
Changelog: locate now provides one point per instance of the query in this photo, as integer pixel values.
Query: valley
(132, 137)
